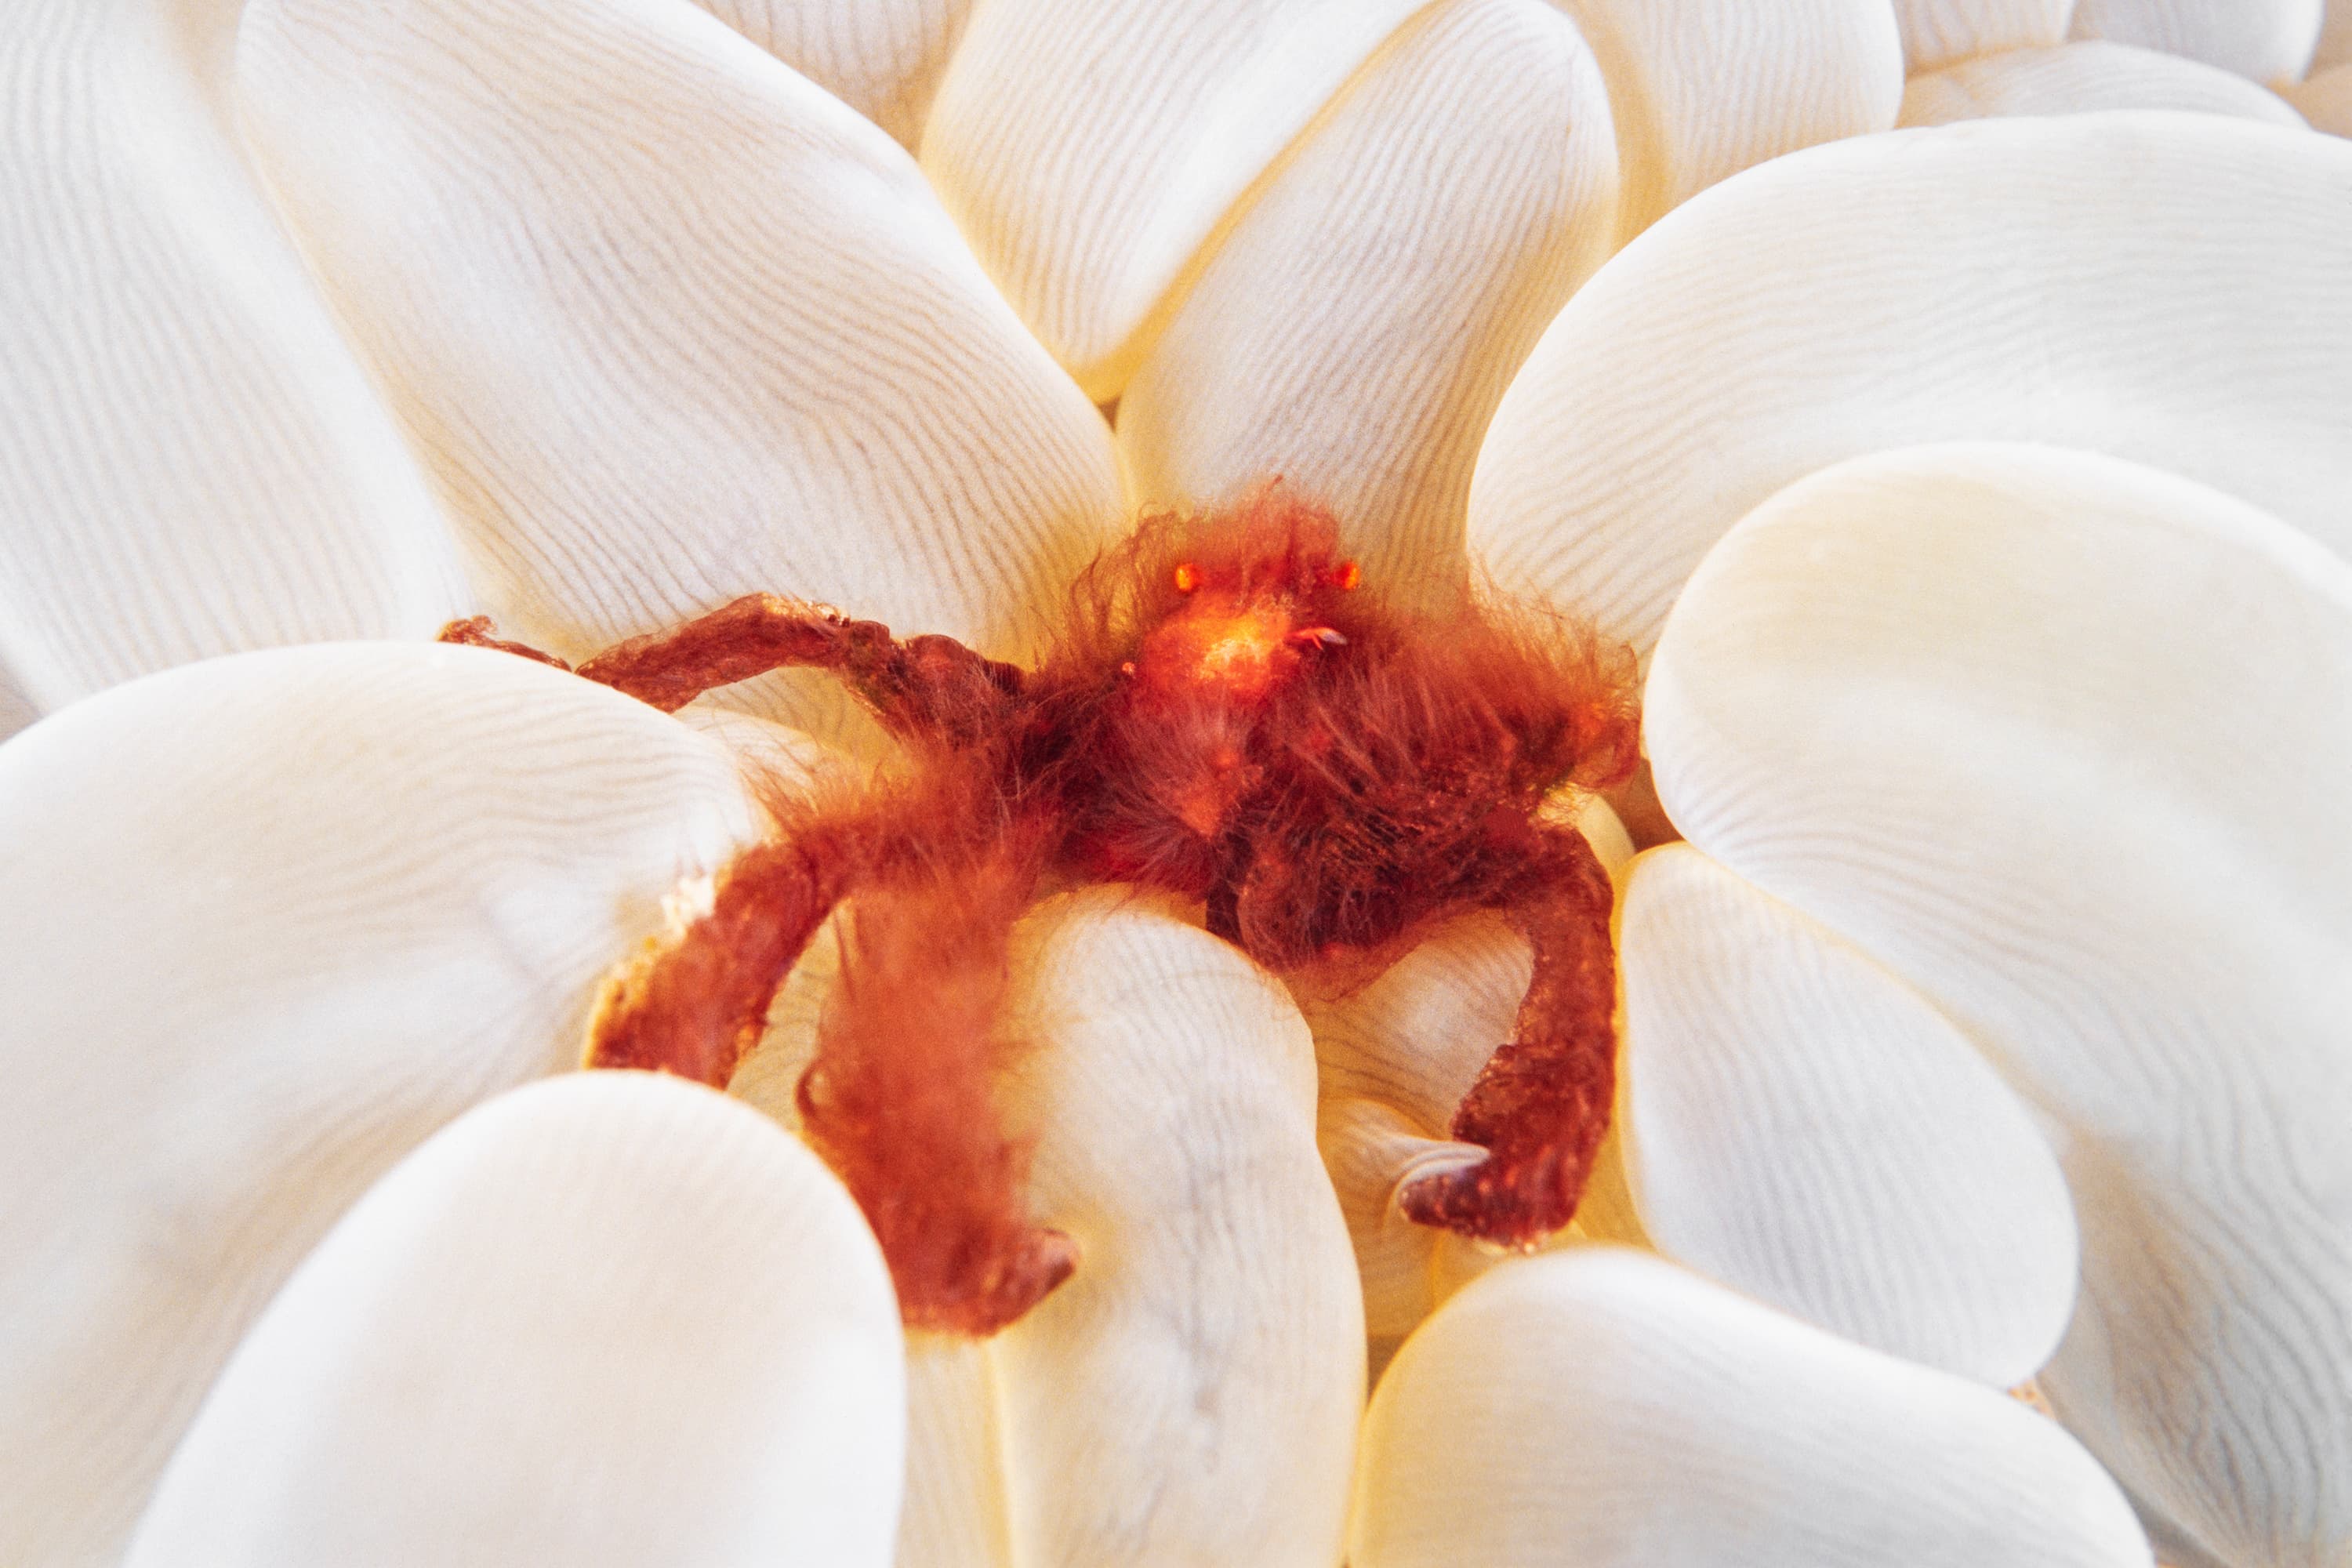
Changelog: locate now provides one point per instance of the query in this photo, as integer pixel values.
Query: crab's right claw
(1509, 1203)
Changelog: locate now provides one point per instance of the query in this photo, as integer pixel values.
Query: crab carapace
(1226, 712)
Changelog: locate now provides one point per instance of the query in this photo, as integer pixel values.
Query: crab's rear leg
(1540, 1106)
(926, 686)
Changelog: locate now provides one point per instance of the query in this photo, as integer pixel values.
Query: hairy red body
(1224, 715)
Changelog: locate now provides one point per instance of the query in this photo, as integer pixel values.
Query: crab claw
(1513, 1204)
(992, 1289)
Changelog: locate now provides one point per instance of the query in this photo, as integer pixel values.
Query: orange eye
(1188, 577)
(1345, 576)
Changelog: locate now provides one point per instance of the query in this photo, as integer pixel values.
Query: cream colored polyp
(675, 324)
(1800, 1125)
(2267, 40)
(2061, 741)
(2168, 287)
(1396, 1056)
(1603, 1408)
(191, 461)
(954, 1513)
(1089, 148)
(1937, 33)
(613, 1318)
(2080, 76)
(1373, 1150)
(16, 710)
(1356, 329)
(1703, 88)
(1215, 1308)
(1415, 1037)
(264, 923)
(882, 57)
(2334, 47)
(2326, 100)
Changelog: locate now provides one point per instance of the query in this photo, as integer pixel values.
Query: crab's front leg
(1540, 1106)
(695, 1004)
(929, 686)
(904, 1095)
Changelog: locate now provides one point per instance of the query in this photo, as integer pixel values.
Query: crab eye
(1344, 575)
(1188, 577)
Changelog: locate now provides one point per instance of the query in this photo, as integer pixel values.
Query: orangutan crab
(1222, 715)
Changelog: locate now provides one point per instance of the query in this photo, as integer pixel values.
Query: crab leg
(903, 1098)
(928, 686)
(695, 1005)
(1541, 1104)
